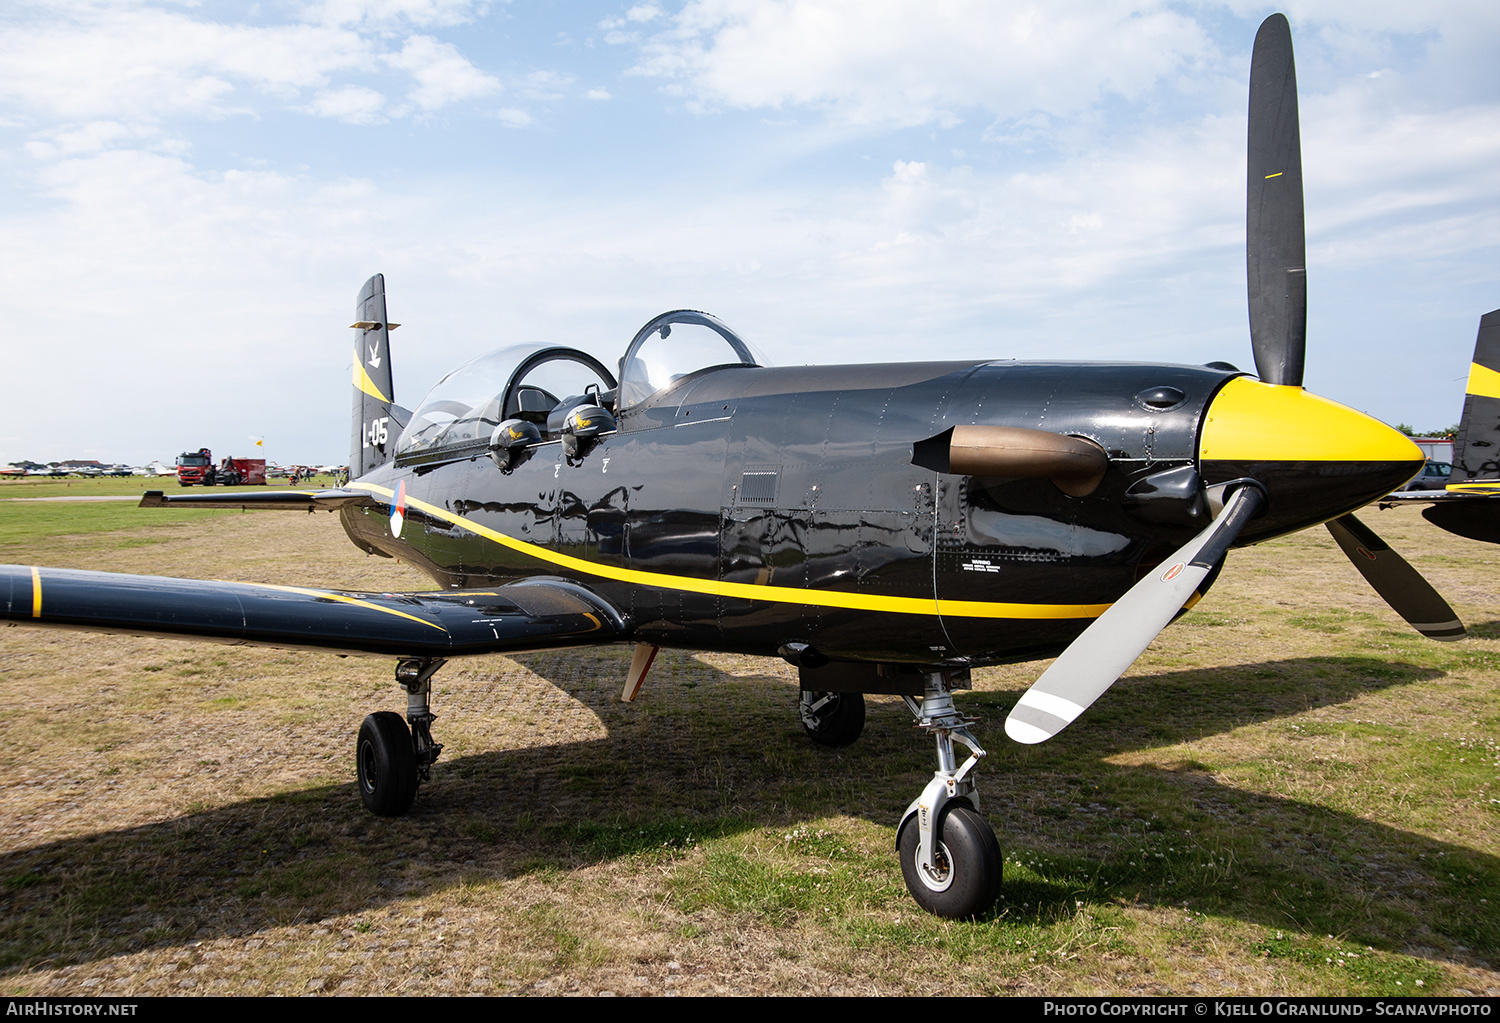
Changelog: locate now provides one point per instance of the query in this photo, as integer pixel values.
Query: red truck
(198, 467)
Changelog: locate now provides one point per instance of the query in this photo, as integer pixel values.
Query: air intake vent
(758, 485)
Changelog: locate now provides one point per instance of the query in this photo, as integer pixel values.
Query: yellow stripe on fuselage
(1483, 381)
(362, 379)
(755, 591)
(36, 593)
(1249, 421)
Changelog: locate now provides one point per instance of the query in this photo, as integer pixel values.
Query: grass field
(1290, 792)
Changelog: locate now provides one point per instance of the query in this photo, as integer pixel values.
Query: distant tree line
(1411, 431)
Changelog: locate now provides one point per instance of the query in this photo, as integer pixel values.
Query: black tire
(386, 764)
(838, 722)
(971, 855)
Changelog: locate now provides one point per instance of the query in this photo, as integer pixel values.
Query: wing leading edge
(529, 615)
(251, 500)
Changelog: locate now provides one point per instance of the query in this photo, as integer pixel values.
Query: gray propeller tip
(1038, 716)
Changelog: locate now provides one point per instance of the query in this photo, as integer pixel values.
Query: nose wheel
(963, 877)
(950, 857)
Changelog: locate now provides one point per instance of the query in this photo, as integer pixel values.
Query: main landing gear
(832, 719)
(949, 855)
(391, 758)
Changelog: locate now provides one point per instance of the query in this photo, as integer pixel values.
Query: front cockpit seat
(532, 404)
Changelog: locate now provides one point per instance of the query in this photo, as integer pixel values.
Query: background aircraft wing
(1474, 514)
(529, 615)
(1412, 497)
(273, 500)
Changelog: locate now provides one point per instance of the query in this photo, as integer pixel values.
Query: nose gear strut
(949, 855)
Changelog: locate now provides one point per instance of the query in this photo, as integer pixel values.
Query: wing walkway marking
(343, 599)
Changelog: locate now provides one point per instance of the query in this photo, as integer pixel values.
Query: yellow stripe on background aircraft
(885, 528)
(1470, 503)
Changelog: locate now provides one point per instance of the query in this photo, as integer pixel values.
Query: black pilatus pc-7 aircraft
(883, 527)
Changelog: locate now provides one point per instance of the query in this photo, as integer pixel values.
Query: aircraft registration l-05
(885, 528)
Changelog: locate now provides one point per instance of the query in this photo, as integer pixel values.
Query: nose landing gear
(950, 857)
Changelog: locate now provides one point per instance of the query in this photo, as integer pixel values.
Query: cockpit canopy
(540, 383)
(520, 382)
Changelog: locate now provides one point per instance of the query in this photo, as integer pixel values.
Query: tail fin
(1476, 449)
(378, 420)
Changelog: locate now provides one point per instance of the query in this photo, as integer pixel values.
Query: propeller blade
(1098, 657)
(1275, 240)
(1400, 585)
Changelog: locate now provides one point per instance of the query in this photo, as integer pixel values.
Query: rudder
(1476, 448)
(378, 420)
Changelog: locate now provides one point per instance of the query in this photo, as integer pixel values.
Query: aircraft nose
(1317, 459)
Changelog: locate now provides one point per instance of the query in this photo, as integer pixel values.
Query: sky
(191, 194)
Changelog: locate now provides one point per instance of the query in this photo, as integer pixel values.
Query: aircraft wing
(1462, 492)
(1412, 497)
(530, 615)
(273, 500)
(1472, 512)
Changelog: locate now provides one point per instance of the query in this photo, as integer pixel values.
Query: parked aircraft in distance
(1469, 505)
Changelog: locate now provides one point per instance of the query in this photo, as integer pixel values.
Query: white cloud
(895, 63)
(443, 74)
(141, 63)
(352, 104)
(514, 117)
(171, 258)
(84, 139)
(1374, 18)
(638, 14)
(545, 86)
(385, 12)
(145, 64)
(597, 94)
(1375, 177)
